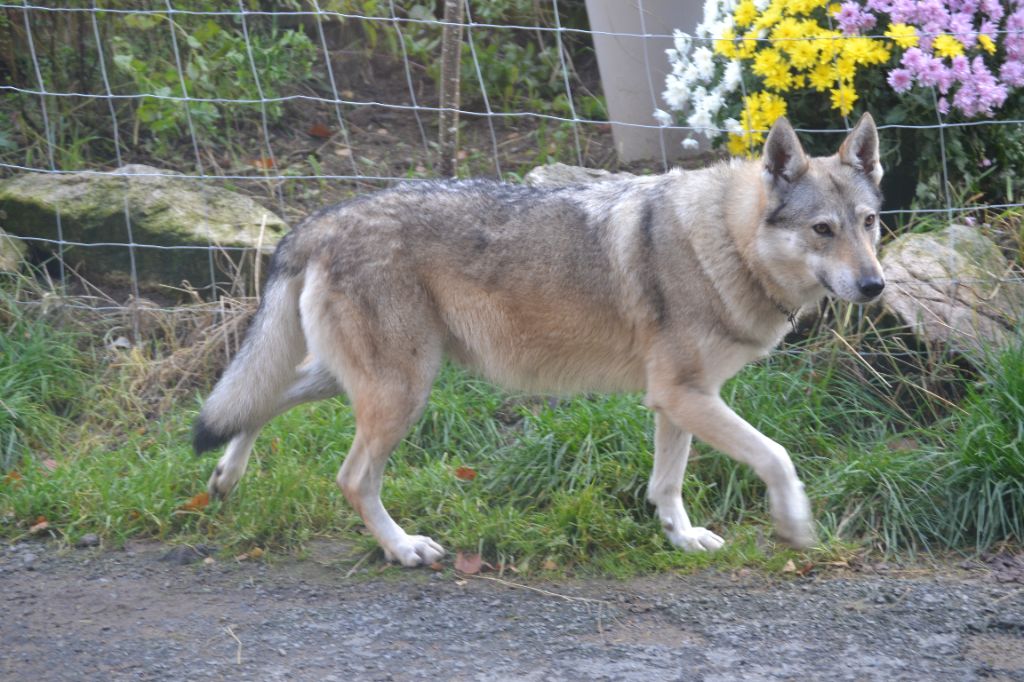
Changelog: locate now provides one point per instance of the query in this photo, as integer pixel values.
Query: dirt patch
(130, 614)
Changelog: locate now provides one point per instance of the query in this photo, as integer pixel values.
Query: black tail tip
(204, 438)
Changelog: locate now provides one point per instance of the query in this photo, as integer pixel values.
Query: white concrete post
(633, 70)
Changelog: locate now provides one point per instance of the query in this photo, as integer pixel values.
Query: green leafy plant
(217, 64)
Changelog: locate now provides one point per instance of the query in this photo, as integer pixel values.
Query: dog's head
(820, 227)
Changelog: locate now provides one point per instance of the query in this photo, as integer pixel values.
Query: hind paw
(223, 480)
(697, 539)
(414, 550)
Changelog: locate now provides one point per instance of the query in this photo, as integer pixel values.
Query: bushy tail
(247, 393)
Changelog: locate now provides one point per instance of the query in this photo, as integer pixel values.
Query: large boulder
(164, 210)
(12, 253)
(954, 287)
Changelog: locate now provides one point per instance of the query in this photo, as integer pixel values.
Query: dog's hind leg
(671, 451)
(312, 382)
(385, 410)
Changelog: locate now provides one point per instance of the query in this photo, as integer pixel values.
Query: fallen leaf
(264, 163)
(197, 503)
(39, 526)
(343, 151)
(469, 564)
(790, 567)
(903, 445)
(550, 565)
(437, 566)
(806, 568)
(254, 553)
(12, 477)
(465, 473)
(319, 130)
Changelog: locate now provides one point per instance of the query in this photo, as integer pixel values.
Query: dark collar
(790, 315)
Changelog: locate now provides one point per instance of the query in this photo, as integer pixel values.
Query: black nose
(871, 286)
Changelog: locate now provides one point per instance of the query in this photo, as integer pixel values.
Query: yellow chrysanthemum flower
(738, 145)
(843, 98)
(903, 35)
(823, 76)
(725, 45)
(986, 43)
(947, 46)
(747, 47)
(831, 44)
(846, 67)
(773, 68)
(768, 60)
(803, 55)
(798, 7)
(772, 107)
(770, 16)
(745, 13)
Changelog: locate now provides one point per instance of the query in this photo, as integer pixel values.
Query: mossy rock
(185, 216)
(954, 287)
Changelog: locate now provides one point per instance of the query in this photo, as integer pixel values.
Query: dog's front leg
(671, 451)
(705, 415)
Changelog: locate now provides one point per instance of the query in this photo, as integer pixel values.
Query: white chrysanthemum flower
(691, 74)
(690, 144)
(677, 92)
(700, 119)
(732, 77)
(704, 60)
(713, 102)
(711, 8)
(762, 5)
(662, 117)
(733, 126)
(682, 41)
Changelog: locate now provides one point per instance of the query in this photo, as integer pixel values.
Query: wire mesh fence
(304, 103)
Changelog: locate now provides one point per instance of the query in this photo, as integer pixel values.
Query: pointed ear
(784, 158)
(860, 149)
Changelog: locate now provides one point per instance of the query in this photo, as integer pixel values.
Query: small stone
(184, 555)
(88, 540)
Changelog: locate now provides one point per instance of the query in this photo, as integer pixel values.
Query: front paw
(791, 512)
(697, 539)
(414, 550)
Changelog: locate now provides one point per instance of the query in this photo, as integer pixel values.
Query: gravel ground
(145, 614)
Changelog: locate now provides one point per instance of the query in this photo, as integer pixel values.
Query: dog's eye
(869, 221)
(823, 229)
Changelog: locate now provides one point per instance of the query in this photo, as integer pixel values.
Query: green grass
(562, 483)
(42, 374)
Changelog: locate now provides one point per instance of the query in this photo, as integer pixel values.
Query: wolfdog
(665, 284)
